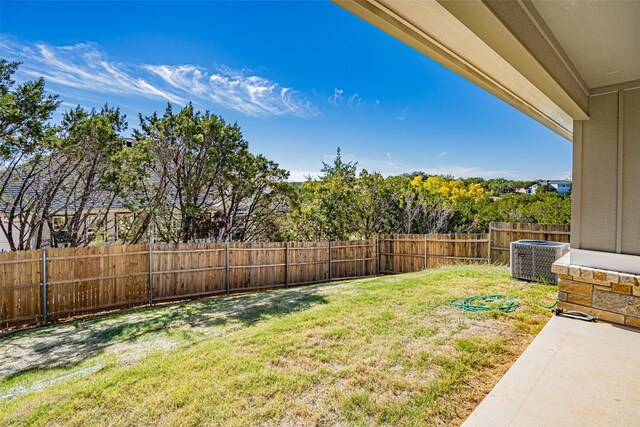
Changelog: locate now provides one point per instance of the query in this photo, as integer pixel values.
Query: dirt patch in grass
(384, 351)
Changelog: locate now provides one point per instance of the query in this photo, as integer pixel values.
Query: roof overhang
(504, 47)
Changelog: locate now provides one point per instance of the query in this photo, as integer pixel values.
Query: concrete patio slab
(575, 372)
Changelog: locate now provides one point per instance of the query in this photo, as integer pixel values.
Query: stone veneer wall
(608, 295)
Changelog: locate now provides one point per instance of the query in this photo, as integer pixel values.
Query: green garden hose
(507, 304)
(541, 304)
(503, 303)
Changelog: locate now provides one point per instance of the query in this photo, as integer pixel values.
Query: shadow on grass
(68, 344)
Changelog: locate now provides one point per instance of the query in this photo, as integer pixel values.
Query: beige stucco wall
(606, 172)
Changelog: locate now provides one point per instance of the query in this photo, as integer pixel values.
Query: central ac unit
(532, 259)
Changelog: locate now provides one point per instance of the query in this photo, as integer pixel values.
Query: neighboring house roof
(14, 188)
(60, 203)
(97, 203)
(551, 182)
(554, 181)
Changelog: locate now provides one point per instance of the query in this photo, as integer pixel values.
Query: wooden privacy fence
(403, 253)
(501, 234)
(50, 284)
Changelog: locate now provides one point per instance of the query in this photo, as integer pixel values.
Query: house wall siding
(606, 208)
(630, 235)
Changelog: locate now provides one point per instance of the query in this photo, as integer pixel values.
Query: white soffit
(602, 38)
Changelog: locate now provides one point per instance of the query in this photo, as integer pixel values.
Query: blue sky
(301, 78)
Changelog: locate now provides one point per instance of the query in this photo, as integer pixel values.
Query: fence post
(330, 272)
(489, 246)
(227, 267)
(150, 271)
(426, 248)
(286, 264)
(377, 254)
(43, 273)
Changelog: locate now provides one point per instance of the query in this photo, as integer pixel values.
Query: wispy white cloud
(355, 101)
(441, 155)
(250, 94)
(185, 77)
(403, 114)
(81, 66)
(85, 67)
(336, 97)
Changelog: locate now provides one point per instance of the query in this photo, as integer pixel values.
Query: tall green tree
(100, 172)
(24, 113)
(546, 188)
(204, 183)
(373, 205)
(326, 210)
(25, 139)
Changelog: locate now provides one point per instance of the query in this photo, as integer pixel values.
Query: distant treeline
(188, 176)
(343, 203)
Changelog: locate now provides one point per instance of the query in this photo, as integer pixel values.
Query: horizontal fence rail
(46, 285)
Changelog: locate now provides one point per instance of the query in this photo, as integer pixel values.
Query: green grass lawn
(380, 351)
